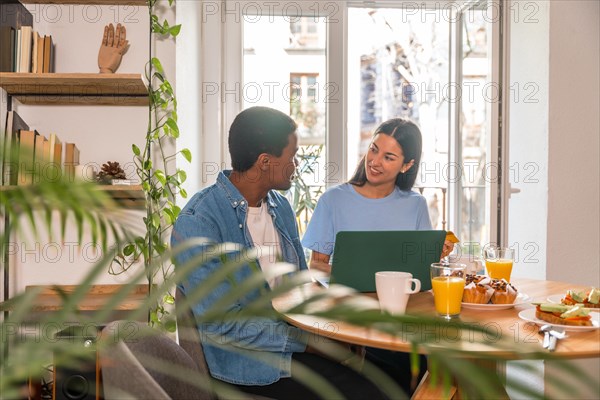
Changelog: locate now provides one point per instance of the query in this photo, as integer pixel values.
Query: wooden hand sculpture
(113, 46)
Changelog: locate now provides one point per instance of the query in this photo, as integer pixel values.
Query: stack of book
(29, 157)
(25, 50)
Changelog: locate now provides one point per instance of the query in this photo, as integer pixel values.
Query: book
(71, 161)
(13, 15)
(26, 42)
(40, 54)
(48, 54)
(34, 52)
(7, 43)
(46, 150)
(26, 165)
(17, 50)
(54, 168)
(40, 158)
(14, 124)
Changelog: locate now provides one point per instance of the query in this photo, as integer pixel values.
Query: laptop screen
(358, 255)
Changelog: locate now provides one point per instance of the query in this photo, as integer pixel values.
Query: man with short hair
(259, 355)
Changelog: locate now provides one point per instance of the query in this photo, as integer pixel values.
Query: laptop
(358, 255)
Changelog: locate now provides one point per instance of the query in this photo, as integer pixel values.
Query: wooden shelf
(90, 2)
(76, 88)
(128, 196)
(50, 299)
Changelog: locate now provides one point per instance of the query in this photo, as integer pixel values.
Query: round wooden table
(498, 324)
(505, 335)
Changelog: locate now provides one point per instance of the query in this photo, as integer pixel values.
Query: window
(340, 72)
(306, 109)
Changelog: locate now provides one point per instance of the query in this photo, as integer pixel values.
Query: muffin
(504, 292)
(478, 290)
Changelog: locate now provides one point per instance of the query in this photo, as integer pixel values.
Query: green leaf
(187, 154)
(183, 193)
(153, 317)
(182, 175)
(168, 216)
(170, 326)
(160, 175)
(155, 220)
(129, 250)
(136, 150)
(173, 125)
(174, 31)
(169, 299)
(157, 65)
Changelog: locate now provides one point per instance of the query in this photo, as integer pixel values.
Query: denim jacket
(255, 351)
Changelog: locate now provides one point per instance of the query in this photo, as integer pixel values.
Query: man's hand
(114, 45)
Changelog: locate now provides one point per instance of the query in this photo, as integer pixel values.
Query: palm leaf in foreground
(446, 358)
(80, 203)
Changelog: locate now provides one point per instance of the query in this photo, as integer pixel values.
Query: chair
(140, 362)
(189, 336)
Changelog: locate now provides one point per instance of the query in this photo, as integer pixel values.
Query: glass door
(433, 65)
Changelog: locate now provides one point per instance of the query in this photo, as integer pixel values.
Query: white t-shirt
(264, 236)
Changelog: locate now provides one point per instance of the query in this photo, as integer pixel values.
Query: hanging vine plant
(159, 182)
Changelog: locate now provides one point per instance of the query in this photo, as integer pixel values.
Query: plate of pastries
(484, 293)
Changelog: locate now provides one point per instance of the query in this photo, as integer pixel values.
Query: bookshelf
(75, 88)
(50, 298)
(127, 196)
(55, 93)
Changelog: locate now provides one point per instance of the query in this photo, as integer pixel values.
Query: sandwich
(589, 300)
(560, 314)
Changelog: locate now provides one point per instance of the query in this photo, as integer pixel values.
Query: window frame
(231, 58)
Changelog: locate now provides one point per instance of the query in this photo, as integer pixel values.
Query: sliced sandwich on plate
(590, 299)
(561, 314)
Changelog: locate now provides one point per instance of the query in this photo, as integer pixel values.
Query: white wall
(574, 146)
(574, 152)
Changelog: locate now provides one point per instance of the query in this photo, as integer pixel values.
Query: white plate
(529, 315)
(556, 299)
(522, 298)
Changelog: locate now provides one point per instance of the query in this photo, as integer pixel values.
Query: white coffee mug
(393, 290)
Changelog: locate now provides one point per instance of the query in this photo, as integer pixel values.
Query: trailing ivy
(153, 167)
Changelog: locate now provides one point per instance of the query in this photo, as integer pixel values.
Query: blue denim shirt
(255, 351)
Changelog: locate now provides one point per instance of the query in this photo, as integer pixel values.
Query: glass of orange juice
(499, 262)
(448, 283)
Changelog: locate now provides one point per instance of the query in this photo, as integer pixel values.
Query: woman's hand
(320, 262)
(448, 247)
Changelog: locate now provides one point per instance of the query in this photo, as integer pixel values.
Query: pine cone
(111, 170)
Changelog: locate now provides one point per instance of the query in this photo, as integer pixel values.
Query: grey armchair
(140, 362)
